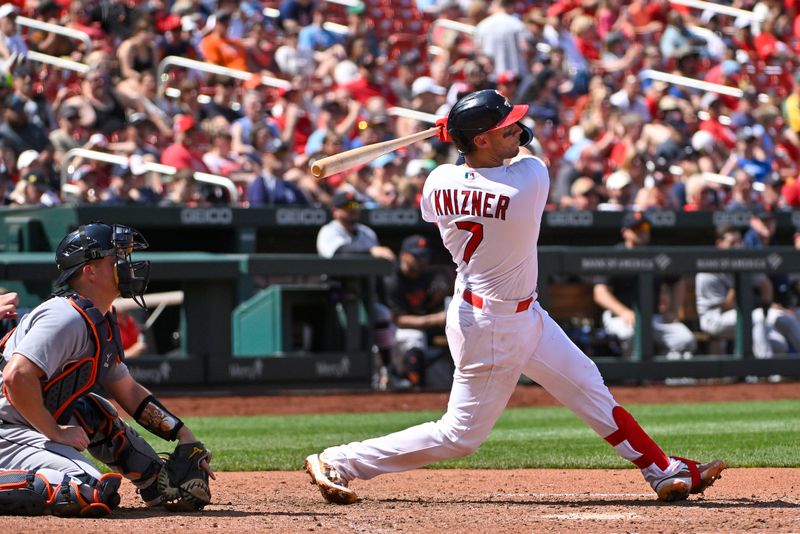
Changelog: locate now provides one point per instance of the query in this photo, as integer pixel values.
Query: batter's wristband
(153, 416)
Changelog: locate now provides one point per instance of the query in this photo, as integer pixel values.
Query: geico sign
(570, 218)
(661, 218)
(393, 217)
(300, 217)
(731, 218)
(206, 216)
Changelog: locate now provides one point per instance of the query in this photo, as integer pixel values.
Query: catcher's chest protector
(79, 377)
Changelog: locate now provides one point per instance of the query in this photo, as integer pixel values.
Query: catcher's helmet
(97, 240)
(478, 112)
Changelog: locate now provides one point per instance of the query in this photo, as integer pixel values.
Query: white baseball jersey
(489, 220)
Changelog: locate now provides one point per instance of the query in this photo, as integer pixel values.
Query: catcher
(55, 368)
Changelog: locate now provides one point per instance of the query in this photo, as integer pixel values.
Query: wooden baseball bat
(357, 156)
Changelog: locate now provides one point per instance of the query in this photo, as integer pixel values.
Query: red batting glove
(442, 134)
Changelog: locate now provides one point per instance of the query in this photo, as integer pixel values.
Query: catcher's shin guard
(47, 491)
(23, 493)
(116, 444)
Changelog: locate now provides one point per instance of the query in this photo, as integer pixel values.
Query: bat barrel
(358, 156)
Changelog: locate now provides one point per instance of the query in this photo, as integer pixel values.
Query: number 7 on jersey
(476, 229)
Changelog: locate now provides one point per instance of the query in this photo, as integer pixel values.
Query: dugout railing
(215, 285)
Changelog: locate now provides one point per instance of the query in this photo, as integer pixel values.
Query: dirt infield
(537, 500)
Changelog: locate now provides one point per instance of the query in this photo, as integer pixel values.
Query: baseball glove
(182, 481)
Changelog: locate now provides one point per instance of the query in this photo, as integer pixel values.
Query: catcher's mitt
(182, 482)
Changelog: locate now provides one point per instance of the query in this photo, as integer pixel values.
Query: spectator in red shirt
(585, 36)
(791, 193)
(293, 120)
(723, 134)
(726, 73)
(366, 84)
(180, 154)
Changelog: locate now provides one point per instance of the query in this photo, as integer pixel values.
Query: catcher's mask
(97, 240)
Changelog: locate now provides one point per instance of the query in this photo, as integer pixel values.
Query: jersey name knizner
(470, 202)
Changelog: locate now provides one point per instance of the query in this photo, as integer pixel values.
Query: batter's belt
(494, 306)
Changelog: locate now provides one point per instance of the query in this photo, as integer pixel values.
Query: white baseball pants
(491, 347)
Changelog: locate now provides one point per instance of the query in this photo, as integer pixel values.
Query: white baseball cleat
(692, 478)
(330, 483)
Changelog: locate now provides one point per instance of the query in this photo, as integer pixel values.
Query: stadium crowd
(614, 137)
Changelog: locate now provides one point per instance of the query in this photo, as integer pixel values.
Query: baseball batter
(53, 367)
(488, 212)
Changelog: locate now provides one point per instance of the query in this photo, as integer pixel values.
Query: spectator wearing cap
(588, 164)
(129, 186)
(502, 37)
(339, 116)
(219, 49)
(139, 137)
(426, 95)
(182, 153)
(220, 103)
(17, 131)
(37, 107)
(416, 292)
(11, 42)
(177, 36)
(617, 296)
(727, 72)
(292, 120)
(618, 190)
(749, 156)
(345, 234)
(69, 133)
(584, 195)
(508, 83)
(44, 163)
(742, 196)
(707, 151)
(713, 103)
(618, 55)
(660, 194)
(182, 190)
(33, 189)
(700, 196)
(667, 124)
